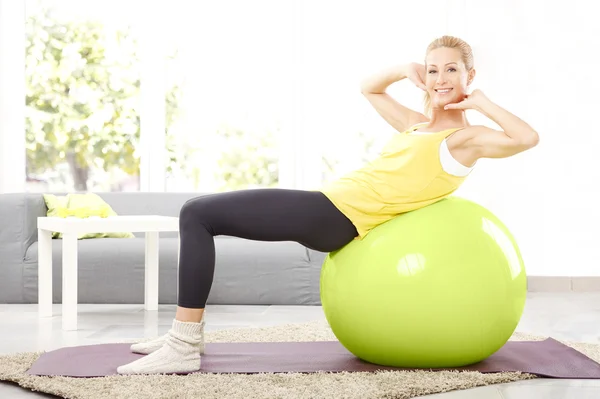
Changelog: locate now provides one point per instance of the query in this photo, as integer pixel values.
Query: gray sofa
(111, 270)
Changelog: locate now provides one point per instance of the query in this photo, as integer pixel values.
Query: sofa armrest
(18, 222)
(35, 207)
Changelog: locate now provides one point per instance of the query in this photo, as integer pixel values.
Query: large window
(256, 94)
(82, 94)
(234, 64)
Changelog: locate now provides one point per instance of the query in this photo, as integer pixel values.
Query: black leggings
(306, 217)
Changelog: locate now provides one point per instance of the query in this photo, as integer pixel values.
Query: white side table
(71, 228)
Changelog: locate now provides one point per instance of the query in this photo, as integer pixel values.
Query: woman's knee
(194, 212)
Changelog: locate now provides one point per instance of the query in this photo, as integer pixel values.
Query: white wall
(12, 96)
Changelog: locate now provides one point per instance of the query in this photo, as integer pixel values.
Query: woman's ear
(471, 77)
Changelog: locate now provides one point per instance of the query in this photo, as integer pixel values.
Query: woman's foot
(180, 352)
(148, 347)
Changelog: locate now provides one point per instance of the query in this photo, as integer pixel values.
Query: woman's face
(446, 77)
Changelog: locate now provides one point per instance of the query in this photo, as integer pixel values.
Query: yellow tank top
(407, 175)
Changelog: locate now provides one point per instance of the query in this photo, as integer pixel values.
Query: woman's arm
(516, 135)
(374, 88)
(379, 82)
(513, 126)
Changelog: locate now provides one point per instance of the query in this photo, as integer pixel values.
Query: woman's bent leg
(306, 217)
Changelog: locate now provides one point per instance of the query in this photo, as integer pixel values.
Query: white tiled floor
(572, 316)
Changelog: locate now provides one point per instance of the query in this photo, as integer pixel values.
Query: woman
(425, 163)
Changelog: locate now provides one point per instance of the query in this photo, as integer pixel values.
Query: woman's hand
(415, 72)
(476, 100)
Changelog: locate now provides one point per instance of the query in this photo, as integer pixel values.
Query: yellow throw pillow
(57, 207)
(82, 206)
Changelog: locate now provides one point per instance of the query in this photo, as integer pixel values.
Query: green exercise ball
(442, 286)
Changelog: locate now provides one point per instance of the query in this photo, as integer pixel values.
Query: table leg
(151, 272)
(69, 281)
(44, 273)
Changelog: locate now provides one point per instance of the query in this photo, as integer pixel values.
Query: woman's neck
(442, 119)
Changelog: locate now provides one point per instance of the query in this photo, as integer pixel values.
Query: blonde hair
(466, 54)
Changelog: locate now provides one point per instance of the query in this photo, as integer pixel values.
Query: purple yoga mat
(548, 358)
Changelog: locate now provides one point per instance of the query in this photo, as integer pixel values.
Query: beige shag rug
(384, 384)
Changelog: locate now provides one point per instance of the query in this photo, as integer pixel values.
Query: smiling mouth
(443, 91)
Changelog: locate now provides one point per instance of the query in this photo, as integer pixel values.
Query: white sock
(180, 352)
(146, 348)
